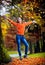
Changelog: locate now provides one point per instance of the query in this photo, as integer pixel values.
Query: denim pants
(19, 39)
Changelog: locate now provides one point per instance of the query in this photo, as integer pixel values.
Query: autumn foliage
(27, 61)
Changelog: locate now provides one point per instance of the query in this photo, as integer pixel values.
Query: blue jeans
(19, 39)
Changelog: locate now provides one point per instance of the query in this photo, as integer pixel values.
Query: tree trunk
(4, 57)
(37, 48)
(30, 47)
(43, 39)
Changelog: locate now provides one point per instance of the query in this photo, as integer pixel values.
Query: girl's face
(19, 20)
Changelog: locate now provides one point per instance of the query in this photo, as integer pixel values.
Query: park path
(15, 55)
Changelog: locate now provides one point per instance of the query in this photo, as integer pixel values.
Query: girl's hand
(4, 17)
(34, 21)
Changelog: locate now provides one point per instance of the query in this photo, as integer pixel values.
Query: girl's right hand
(4, 17)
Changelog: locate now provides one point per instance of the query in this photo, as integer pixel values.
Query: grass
(12, 52)
(37, 55)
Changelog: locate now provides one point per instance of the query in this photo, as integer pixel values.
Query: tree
(43, 37)
(35, 30)
(30, 31)
(4, 57)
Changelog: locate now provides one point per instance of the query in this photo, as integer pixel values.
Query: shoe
(25, 56)
(20, 58)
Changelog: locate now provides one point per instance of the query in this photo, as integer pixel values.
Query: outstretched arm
(11, 21)
(28, 23)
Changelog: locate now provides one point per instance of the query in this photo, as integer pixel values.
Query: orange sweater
(20, 27)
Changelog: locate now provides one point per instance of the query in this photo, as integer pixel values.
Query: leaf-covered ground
(27, 61)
